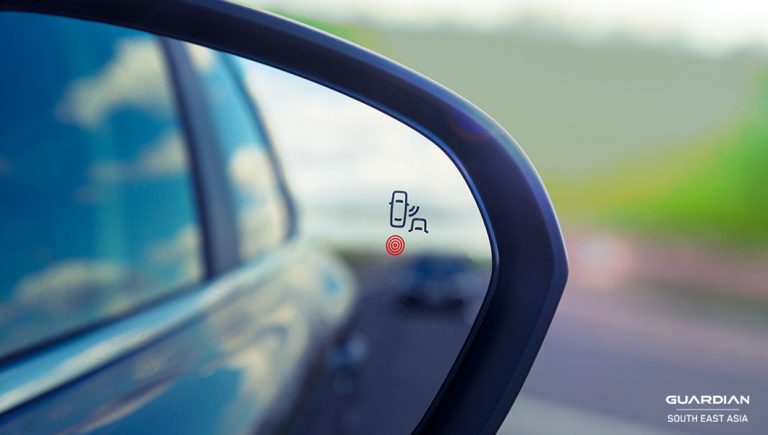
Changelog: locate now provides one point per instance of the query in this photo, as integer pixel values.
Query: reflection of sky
(91, 157)
(261, 212)
(343, 160)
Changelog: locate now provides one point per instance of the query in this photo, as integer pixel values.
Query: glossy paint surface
(230, 358)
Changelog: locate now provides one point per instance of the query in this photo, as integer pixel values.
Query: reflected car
(152, 268)
(440, 281)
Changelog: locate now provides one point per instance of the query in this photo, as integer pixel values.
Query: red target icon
(395, 245)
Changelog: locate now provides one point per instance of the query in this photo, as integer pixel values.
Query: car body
(440, 281)
(237, 315)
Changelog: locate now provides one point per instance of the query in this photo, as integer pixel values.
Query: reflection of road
(612, 356)
(410, 350)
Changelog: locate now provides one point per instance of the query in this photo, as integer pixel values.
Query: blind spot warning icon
(395, 245)
(398, 208)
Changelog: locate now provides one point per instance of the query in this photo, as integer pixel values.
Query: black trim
(217, 212)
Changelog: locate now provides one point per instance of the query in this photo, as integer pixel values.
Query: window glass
(97, 202)
(259, 204)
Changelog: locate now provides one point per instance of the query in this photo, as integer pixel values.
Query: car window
(97, 205)
(262, 216)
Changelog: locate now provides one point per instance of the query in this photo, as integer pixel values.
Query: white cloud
(68, 282)
(262, 226)
(202, 57)
(186, 240)
(251, 170)
(165, 156)
(182, 249)
(262, 221)
(268, 353)
(135, 77)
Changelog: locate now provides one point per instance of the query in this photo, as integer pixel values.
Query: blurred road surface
(615, 350)
(410, 349)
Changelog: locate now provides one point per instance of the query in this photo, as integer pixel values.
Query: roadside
(641, 320)
(606, 259)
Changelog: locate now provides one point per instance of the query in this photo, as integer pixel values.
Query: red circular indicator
(395, 245)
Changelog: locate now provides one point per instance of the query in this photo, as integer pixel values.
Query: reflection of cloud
(134, 77)
(269, 352)
(186, 240)
(68, 282)
(201, 56)
(183, 249)
(264, 362)
(5, 166)
(262, 221)
(251, 170)
(262, 226)
(165, 156)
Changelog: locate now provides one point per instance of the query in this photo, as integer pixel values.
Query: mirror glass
(361, 255)
(396, 210)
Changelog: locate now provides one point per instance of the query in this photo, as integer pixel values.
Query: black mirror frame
(529, 260)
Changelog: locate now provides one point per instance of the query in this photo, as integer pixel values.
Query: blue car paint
(230, 358)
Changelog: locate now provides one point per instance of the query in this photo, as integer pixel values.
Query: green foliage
(716, 189)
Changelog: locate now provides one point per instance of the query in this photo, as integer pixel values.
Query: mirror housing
(529, 260)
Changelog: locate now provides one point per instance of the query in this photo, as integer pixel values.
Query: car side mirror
(419, 258)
